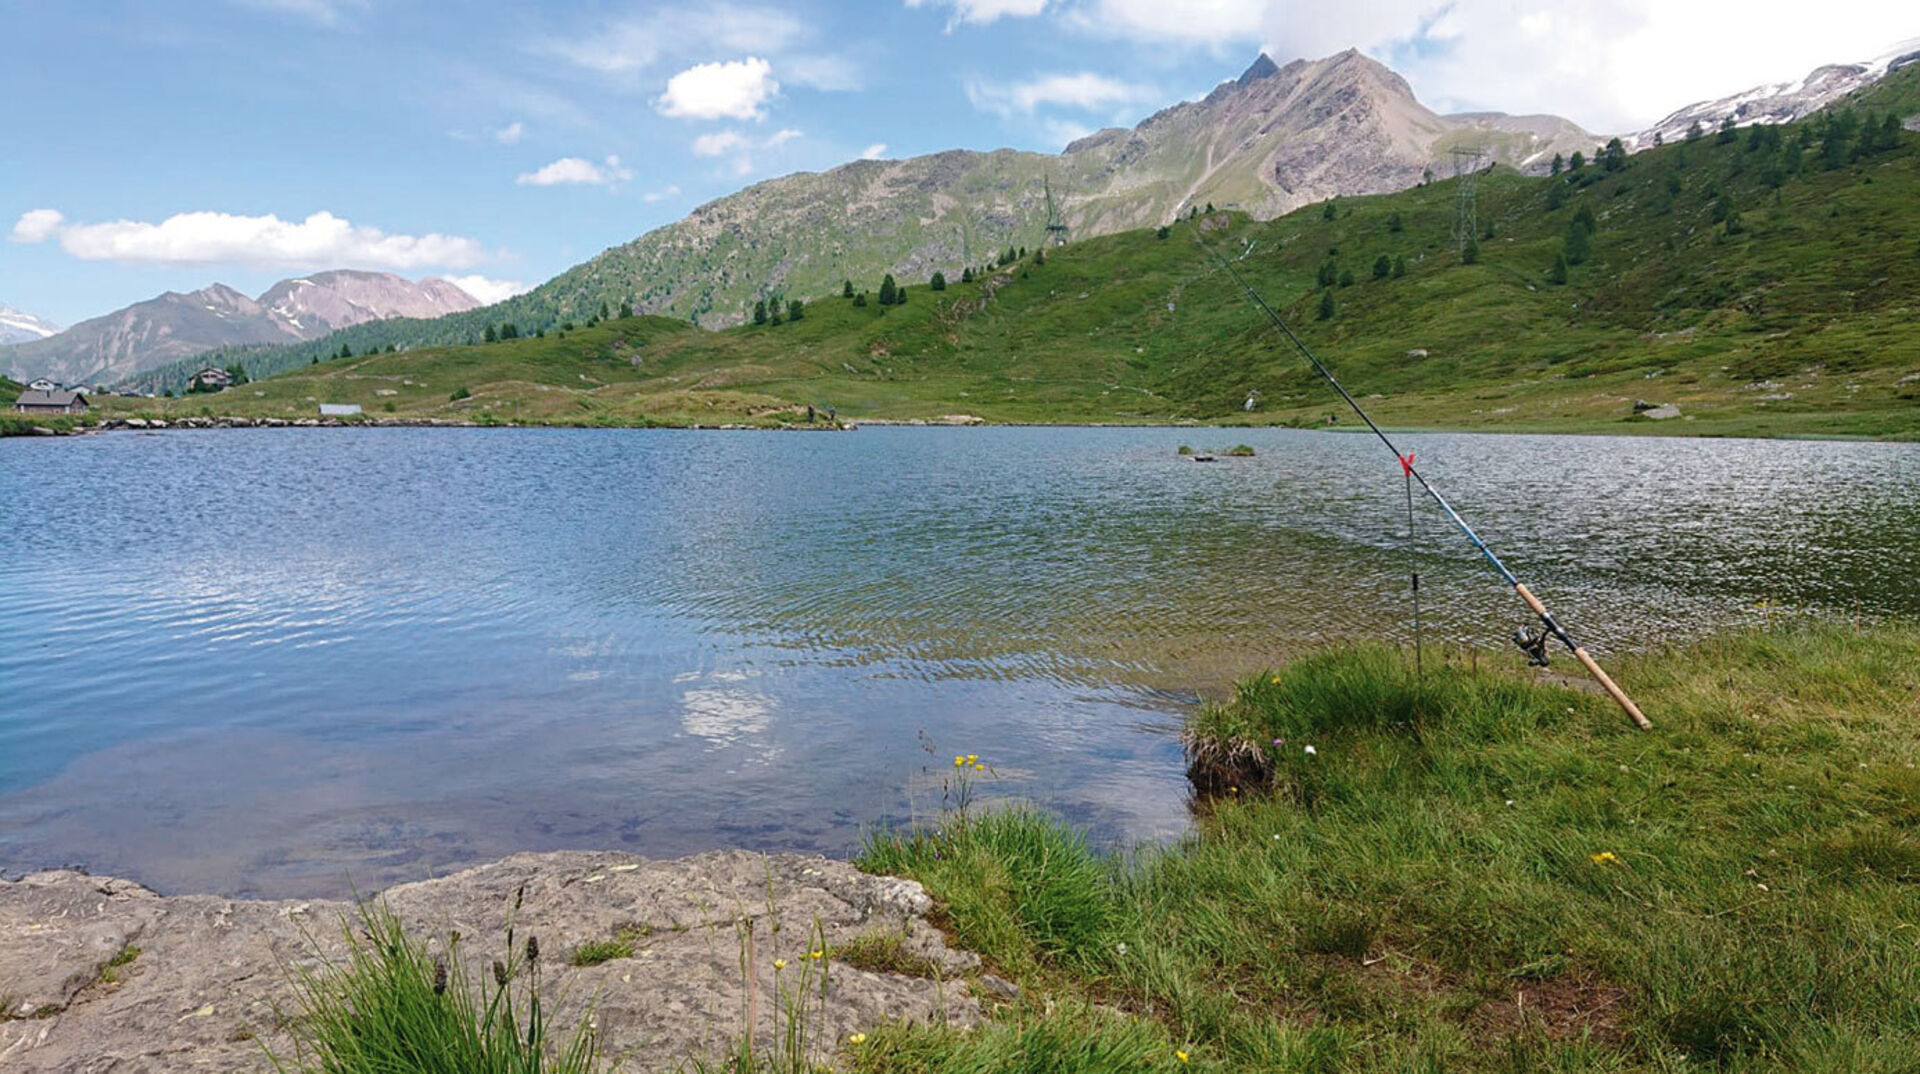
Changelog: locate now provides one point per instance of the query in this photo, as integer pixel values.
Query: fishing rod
(1534, 646)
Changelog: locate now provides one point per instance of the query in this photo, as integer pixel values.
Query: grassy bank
(1473, 872)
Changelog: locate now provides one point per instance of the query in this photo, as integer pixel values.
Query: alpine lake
(297, 662)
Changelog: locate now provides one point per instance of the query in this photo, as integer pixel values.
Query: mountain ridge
(180, 324)
(19, 326)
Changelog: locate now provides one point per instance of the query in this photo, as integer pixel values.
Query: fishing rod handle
(1594, 669)
(1619, 696)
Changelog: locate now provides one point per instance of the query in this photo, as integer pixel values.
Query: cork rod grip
(1599, 675)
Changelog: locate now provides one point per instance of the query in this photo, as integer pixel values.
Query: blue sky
(156, 145)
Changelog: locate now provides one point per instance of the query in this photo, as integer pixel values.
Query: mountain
(1780, 102)
(1757, 286)
(19, 327)
(1274, 139)
(176, 325)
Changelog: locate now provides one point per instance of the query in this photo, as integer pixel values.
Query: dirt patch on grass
(1564, 1008)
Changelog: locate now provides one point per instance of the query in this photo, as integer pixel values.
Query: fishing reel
(1534, 645)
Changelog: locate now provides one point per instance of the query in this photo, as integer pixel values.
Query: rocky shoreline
(102, 974)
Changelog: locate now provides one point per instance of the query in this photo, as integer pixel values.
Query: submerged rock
(104, 974)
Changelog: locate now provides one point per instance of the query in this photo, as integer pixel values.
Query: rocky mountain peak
(1263, 67)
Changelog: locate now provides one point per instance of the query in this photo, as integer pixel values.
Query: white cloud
(740, 147)
(1084, 91)
(833, 74)
(734, 89)
(37, 225)
(487, 291)
(322, 240)
(718, 143)
(636, 42)
(1196, 21)
(874, 151)
(983, 11)
(576, 170)
(510, 133)
(661, 195)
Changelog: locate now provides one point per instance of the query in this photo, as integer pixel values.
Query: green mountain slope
(1757, 294)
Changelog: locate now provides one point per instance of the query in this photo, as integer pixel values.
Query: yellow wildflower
(1182, 1056)
(979, 766)
(972, 757)
(1605, 857)
(817, 954)
(959, 762)
(857, 1038)
(1276, 680)
(779, 963)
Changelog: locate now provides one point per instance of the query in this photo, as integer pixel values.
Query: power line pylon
(1466, 168)
(1056, 227)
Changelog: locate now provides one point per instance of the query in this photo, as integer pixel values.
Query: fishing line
(1534, 646)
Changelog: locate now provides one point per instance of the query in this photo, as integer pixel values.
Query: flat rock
(1661, 413)
(211, 980)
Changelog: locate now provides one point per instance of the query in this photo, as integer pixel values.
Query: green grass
(594, 952)
(395, 1007)
(1476, 872)
(885, 952)
(1798, 324)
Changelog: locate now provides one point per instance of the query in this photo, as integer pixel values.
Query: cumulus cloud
(576, 170)
(510, 133)
(37, 225)
(488, 291)
(661, 195)
(734, 89)
(983, 11)
(322, 240)
(1084, 91)
(874, 151)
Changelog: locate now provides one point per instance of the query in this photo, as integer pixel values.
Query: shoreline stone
(213, 976)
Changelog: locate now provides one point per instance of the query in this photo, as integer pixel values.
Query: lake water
(276, 661)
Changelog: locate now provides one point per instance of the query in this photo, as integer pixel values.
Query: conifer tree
(796, 309)
(760, 312)
(1328, 210)
(1559, 162)
(489, 335)
(966, 275)
(846, 289)
(1326, 306)
(887, 289)
(1578, 245)
(938, 283)
(1382, 265)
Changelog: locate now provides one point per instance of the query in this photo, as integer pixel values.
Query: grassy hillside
(1745, 282)
(1471, 872)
